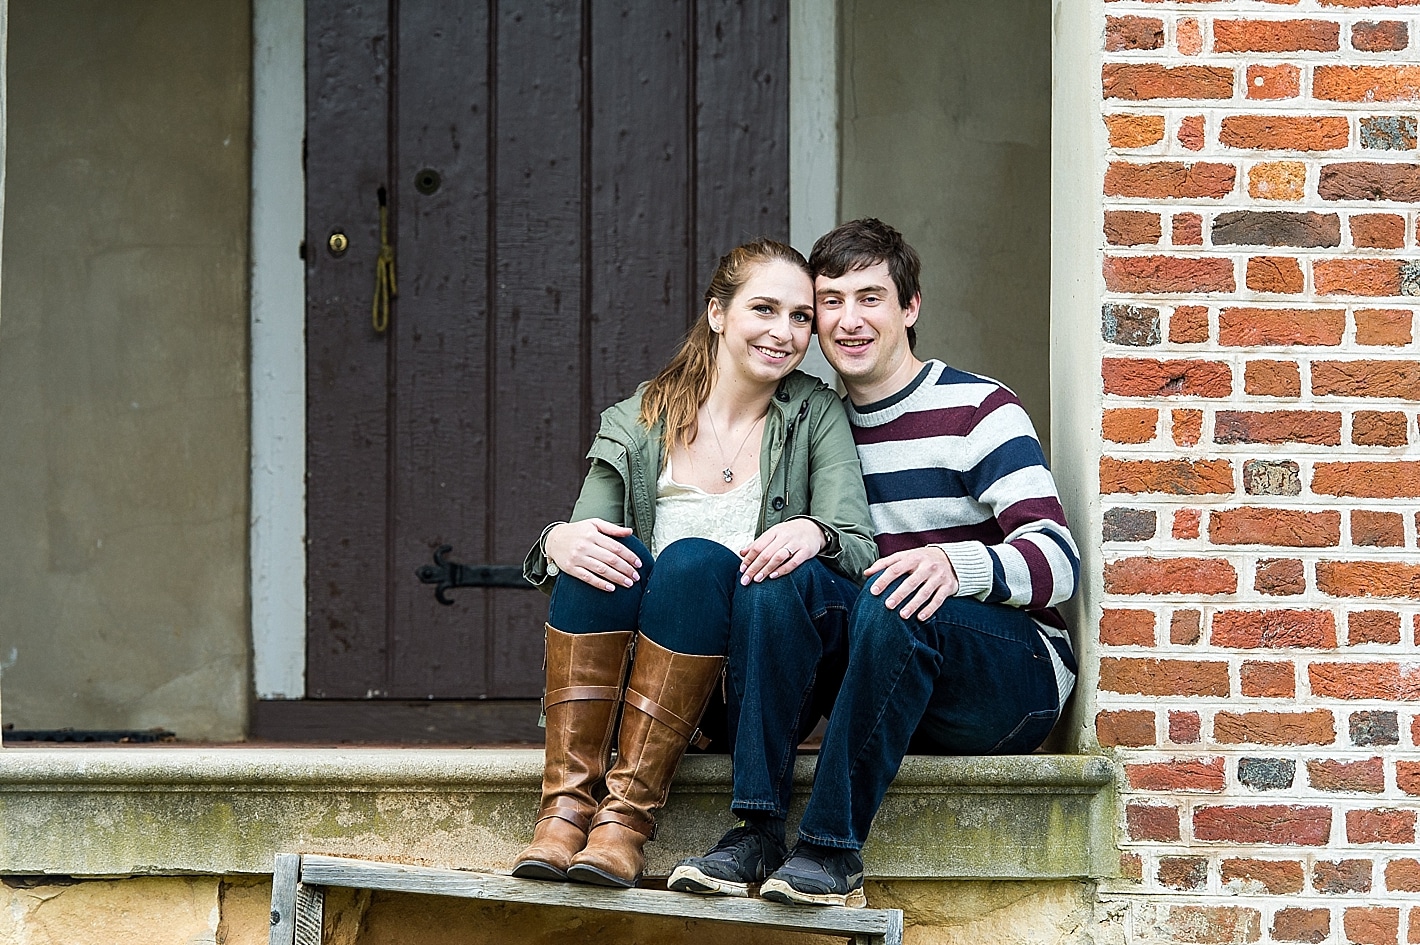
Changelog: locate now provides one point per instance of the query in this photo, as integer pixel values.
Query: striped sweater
(952, 460)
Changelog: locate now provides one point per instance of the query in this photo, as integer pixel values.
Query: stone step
(123, 811)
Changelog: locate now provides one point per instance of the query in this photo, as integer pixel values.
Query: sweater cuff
(972, 564)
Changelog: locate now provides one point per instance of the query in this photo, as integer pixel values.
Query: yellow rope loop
(385, 288)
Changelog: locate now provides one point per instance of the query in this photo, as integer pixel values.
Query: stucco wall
(946, 135)
(123, 361)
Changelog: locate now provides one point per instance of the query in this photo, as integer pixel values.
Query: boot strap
(581, 694)
(642, 825)
(660, 713)
(667, 718)
(565, 808)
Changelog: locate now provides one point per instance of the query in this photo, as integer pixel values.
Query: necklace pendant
(728, 474)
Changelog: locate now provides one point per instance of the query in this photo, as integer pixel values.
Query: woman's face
(765, 330)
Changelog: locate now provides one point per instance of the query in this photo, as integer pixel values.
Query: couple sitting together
(726, 526)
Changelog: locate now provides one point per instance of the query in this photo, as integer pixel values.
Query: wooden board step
(296, 899)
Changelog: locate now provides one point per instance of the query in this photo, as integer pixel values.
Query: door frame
(278, 351)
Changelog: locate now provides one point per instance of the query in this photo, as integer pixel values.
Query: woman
(729, 447)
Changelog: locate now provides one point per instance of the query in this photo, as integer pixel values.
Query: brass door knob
(338, 243)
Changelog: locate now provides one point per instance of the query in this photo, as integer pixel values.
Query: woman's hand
(590, 552)
(781, 549)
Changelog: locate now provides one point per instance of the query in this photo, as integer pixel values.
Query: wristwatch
(552, 569)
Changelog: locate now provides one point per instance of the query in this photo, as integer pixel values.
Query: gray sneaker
(743, 857)
(818, 876)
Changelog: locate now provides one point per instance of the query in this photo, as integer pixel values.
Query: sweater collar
(894, 405)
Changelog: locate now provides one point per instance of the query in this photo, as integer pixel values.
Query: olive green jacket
(807, 463)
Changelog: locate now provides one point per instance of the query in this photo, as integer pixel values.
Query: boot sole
(688, 879)
(776, 890)
(537, 869)
(582, 873)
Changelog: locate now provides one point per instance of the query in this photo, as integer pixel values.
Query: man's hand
(930, 580)
(781, 549)
(589, 551)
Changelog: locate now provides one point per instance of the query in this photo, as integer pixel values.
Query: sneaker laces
(739, 840)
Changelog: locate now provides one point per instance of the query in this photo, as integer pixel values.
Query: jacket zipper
(637, 513)
(774, 467)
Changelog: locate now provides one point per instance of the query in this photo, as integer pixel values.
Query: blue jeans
(788, 648)
(682, 600)
(974, 679)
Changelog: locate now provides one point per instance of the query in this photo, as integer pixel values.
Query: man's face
(862, 327)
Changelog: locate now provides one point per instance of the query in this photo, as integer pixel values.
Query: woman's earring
(715, 328)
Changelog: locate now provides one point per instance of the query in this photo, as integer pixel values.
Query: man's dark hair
(867, 242)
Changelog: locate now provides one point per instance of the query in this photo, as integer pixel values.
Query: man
(954, 645)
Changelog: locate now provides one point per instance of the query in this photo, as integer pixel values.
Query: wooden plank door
(560, 178)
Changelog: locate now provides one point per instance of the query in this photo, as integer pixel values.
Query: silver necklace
(728, 473)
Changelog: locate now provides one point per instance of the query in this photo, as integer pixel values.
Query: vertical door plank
(742, 68)
(537, 356)
(440, 344)
(346, 105)
(642, 151)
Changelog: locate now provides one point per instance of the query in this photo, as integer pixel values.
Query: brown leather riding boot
(584, 682)
(664, 700)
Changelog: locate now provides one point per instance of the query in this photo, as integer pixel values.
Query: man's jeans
(788, 647)
(974, 679)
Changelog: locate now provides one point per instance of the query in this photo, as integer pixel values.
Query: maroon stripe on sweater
(1042, 580)
(1050, 617)
(1000, 397)
(920, 424)
(1037, 509)
(987, 532)
(892, 544)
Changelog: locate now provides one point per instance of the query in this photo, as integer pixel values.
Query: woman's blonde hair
(676, 393)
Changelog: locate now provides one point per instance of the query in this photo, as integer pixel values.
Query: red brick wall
(1259, 677)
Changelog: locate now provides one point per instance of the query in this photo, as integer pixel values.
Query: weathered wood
(742, 126)
(385, 722)
(310, 914)
(347, 92)
(882, 925)
(535, 340)
(439, 344)
(285, 876)
(894, 929)
(642, 157)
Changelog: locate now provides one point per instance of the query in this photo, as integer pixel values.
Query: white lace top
(690, 512)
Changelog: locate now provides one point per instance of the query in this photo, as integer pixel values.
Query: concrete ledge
(124, 811)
